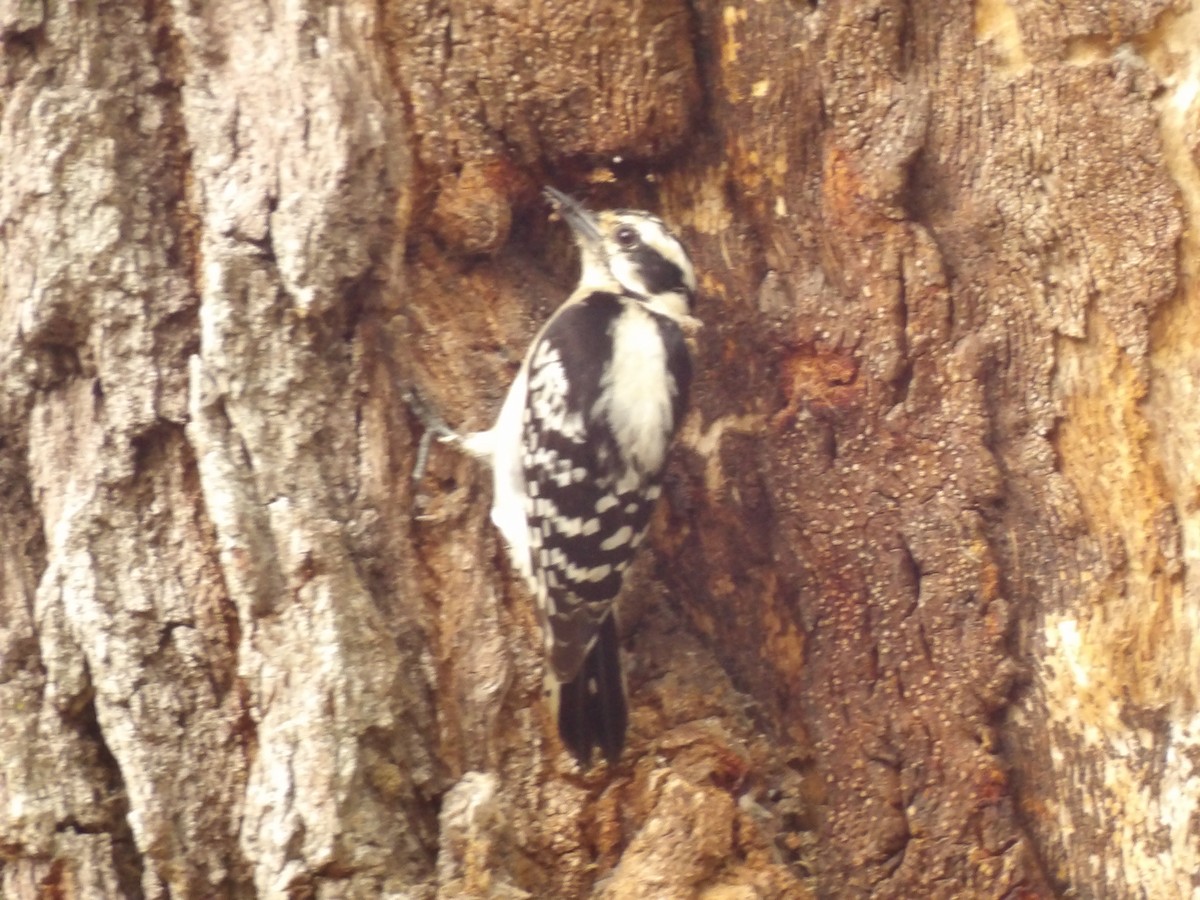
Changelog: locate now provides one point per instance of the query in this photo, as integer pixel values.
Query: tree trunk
(918, 612)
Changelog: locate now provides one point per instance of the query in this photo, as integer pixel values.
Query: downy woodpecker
(579, 448)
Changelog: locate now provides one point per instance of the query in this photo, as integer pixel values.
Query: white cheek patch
(621, 536)
(626, 273)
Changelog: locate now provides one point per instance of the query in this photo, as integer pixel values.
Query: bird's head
(635, 250)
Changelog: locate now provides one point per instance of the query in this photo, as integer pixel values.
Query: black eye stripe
(658, 273)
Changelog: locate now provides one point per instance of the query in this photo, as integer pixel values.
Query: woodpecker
(579, 447)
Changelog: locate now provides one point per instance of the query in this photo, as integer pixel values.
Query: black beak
(575, 214)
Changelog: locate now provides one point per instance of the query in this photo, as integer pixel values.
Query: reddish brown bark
(917, 615)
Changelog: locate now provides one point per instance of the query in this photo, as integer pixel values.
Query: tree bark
(918, 613)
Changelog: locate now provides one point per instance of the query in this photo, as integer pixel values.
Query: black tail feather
(592, 711)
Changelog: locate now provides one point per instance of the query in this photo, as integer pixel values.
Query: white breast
(636, 394)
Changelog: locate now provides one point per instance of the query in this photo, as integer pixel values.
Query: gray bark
(917, 615)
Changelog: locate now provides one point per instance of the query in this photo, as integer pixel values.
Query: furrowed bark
(917, 614)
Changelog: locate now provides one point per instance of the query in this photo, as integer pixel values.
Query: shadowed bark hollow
(918, 613)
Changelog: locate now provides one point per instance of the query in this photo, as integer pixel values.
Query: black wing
(586, 511)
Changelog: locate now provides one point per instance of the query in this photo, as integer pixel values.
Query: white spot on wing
(583, 574)
(548, 394)
(619, 537)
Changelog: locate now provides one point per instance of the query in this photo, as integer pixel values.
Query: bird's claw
(435, 426)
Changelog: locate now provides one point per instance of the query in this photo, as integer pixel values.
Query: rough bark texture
(920, 615)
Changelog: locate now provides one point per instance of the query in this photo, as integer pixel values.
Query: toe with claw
(435, 426)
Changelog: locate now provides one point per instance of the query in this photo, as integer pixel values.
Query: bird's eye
(627, 237)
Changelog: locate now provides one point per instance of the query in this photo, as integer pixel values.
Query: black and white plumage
(579, 448)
